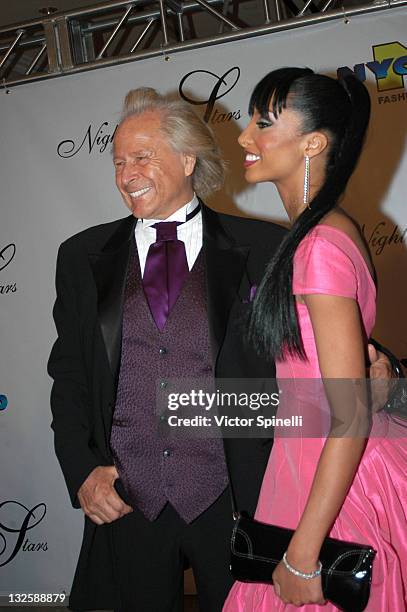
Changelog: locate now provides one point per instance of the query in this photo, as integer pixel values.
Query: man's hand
(98, 498)
(380, 366)
(380, 374)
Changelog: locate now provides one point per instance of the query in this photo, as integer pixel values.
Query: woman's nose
(244, 138)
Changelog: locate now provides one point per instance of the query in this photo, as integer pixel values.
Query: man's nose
(130, 171)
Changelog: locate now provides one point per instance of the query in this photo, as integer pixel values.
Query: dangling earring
(306, 182)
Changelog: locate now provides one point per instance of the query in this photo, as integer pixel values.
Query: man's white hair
(186, 133)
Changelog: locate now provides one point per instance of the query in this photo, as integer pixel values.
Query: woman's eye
(262, 123)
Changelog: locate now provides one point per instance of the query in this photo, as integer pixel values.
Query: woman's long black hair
(342, 109)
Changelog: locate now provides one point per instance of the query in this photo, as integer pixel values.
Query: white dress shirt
(190, 232)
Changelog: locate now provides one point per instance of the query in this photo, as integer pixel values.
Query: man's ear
(315, 143)
(189, 164)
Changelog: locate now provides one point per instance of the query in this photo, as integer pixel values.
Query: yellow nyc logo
(393, 58)
(389, 66)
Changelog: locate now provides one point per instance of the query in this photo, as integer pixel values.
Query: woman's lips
(250, 159)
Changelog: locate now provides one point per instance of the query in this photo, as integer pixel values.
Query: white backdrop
(51, 188)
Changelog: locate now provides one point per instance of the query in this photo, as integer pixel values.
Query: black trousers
(150, 558)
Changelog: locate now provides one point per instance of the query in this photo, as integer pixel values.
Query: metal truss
(120, 31)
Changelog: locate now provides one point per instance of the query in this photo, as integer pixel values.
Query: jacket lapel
(109, 269)
(225, 264)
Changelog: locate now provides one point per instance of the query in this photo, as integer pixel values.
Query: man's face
(153, 179)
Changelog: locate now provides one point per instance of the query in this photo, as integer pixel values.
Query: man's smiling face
(153, 179)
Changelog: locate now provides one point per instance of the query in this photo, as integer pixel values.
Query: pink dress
(375, 509)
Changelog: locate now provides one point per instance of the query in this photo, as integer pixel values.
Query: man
(152, 505)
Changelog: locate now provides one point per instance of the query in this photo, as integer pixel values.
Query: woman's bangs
(273, 91)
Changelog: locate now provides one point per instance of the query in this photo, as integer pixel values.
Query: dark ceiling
(18, 11)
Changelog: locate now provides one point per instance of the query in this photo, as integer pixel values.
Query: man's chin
(138, 208)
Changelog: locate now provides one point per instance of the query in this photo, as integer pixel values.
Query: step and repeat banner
(56, 178)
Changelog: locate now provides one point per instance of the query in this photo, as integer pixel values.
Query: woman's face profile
(274, 146)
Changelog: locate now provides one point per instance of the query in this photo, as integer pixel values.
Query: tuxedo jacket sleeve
(83, 389)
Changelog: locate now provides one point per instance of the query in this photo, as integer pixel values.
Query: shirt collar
(179, 215)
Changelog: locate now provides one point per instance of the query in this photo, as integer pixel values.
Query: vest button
(163, 351)
(166, 453)
(163, 417)
(163, 384)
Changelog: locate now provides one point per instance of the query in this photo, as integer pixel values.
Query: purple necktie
(165, 271)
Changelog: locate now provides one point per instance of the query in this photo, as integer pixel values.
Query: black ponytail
(342, 109)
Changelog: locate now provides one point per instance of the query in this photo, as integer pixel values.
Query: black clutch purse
(257, 548)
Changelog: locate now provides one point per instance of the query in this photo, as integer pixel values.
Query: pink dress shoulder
(375, 510)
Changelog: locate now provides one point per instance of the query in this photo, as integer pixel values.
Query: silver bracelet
(296, 572)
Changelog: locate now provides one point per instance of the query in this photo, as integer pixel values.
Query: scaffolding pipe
(266, 11)
(218, 15)
(142, 35)
(20, 33)
(113, 34)
(180, 27)
(327, 5)
(104, 25)
(163, 22)
(187, 7)
(278, 10)
(225, 10)
(306, 5)
(36, 59)
(31, 42)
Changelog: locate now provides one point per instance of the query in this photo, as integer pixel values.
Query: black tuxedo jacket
(84, 362)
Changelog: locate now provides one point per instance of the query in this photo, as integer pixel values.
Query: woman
(313, 313)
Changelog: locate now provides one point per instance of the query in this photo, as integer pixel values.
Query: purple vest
(188, 473)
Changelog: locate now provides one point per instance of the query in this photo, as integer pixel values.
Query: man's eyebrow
(141, 151)
(137, 152)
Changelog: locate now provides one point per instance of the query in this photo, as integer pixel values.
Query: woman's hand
(294, 590)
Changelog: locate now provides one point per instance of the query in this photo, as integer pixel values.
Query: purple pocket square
(251, 296)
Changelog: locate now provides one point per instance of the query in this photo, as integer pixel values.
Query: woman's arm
(339, 341)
